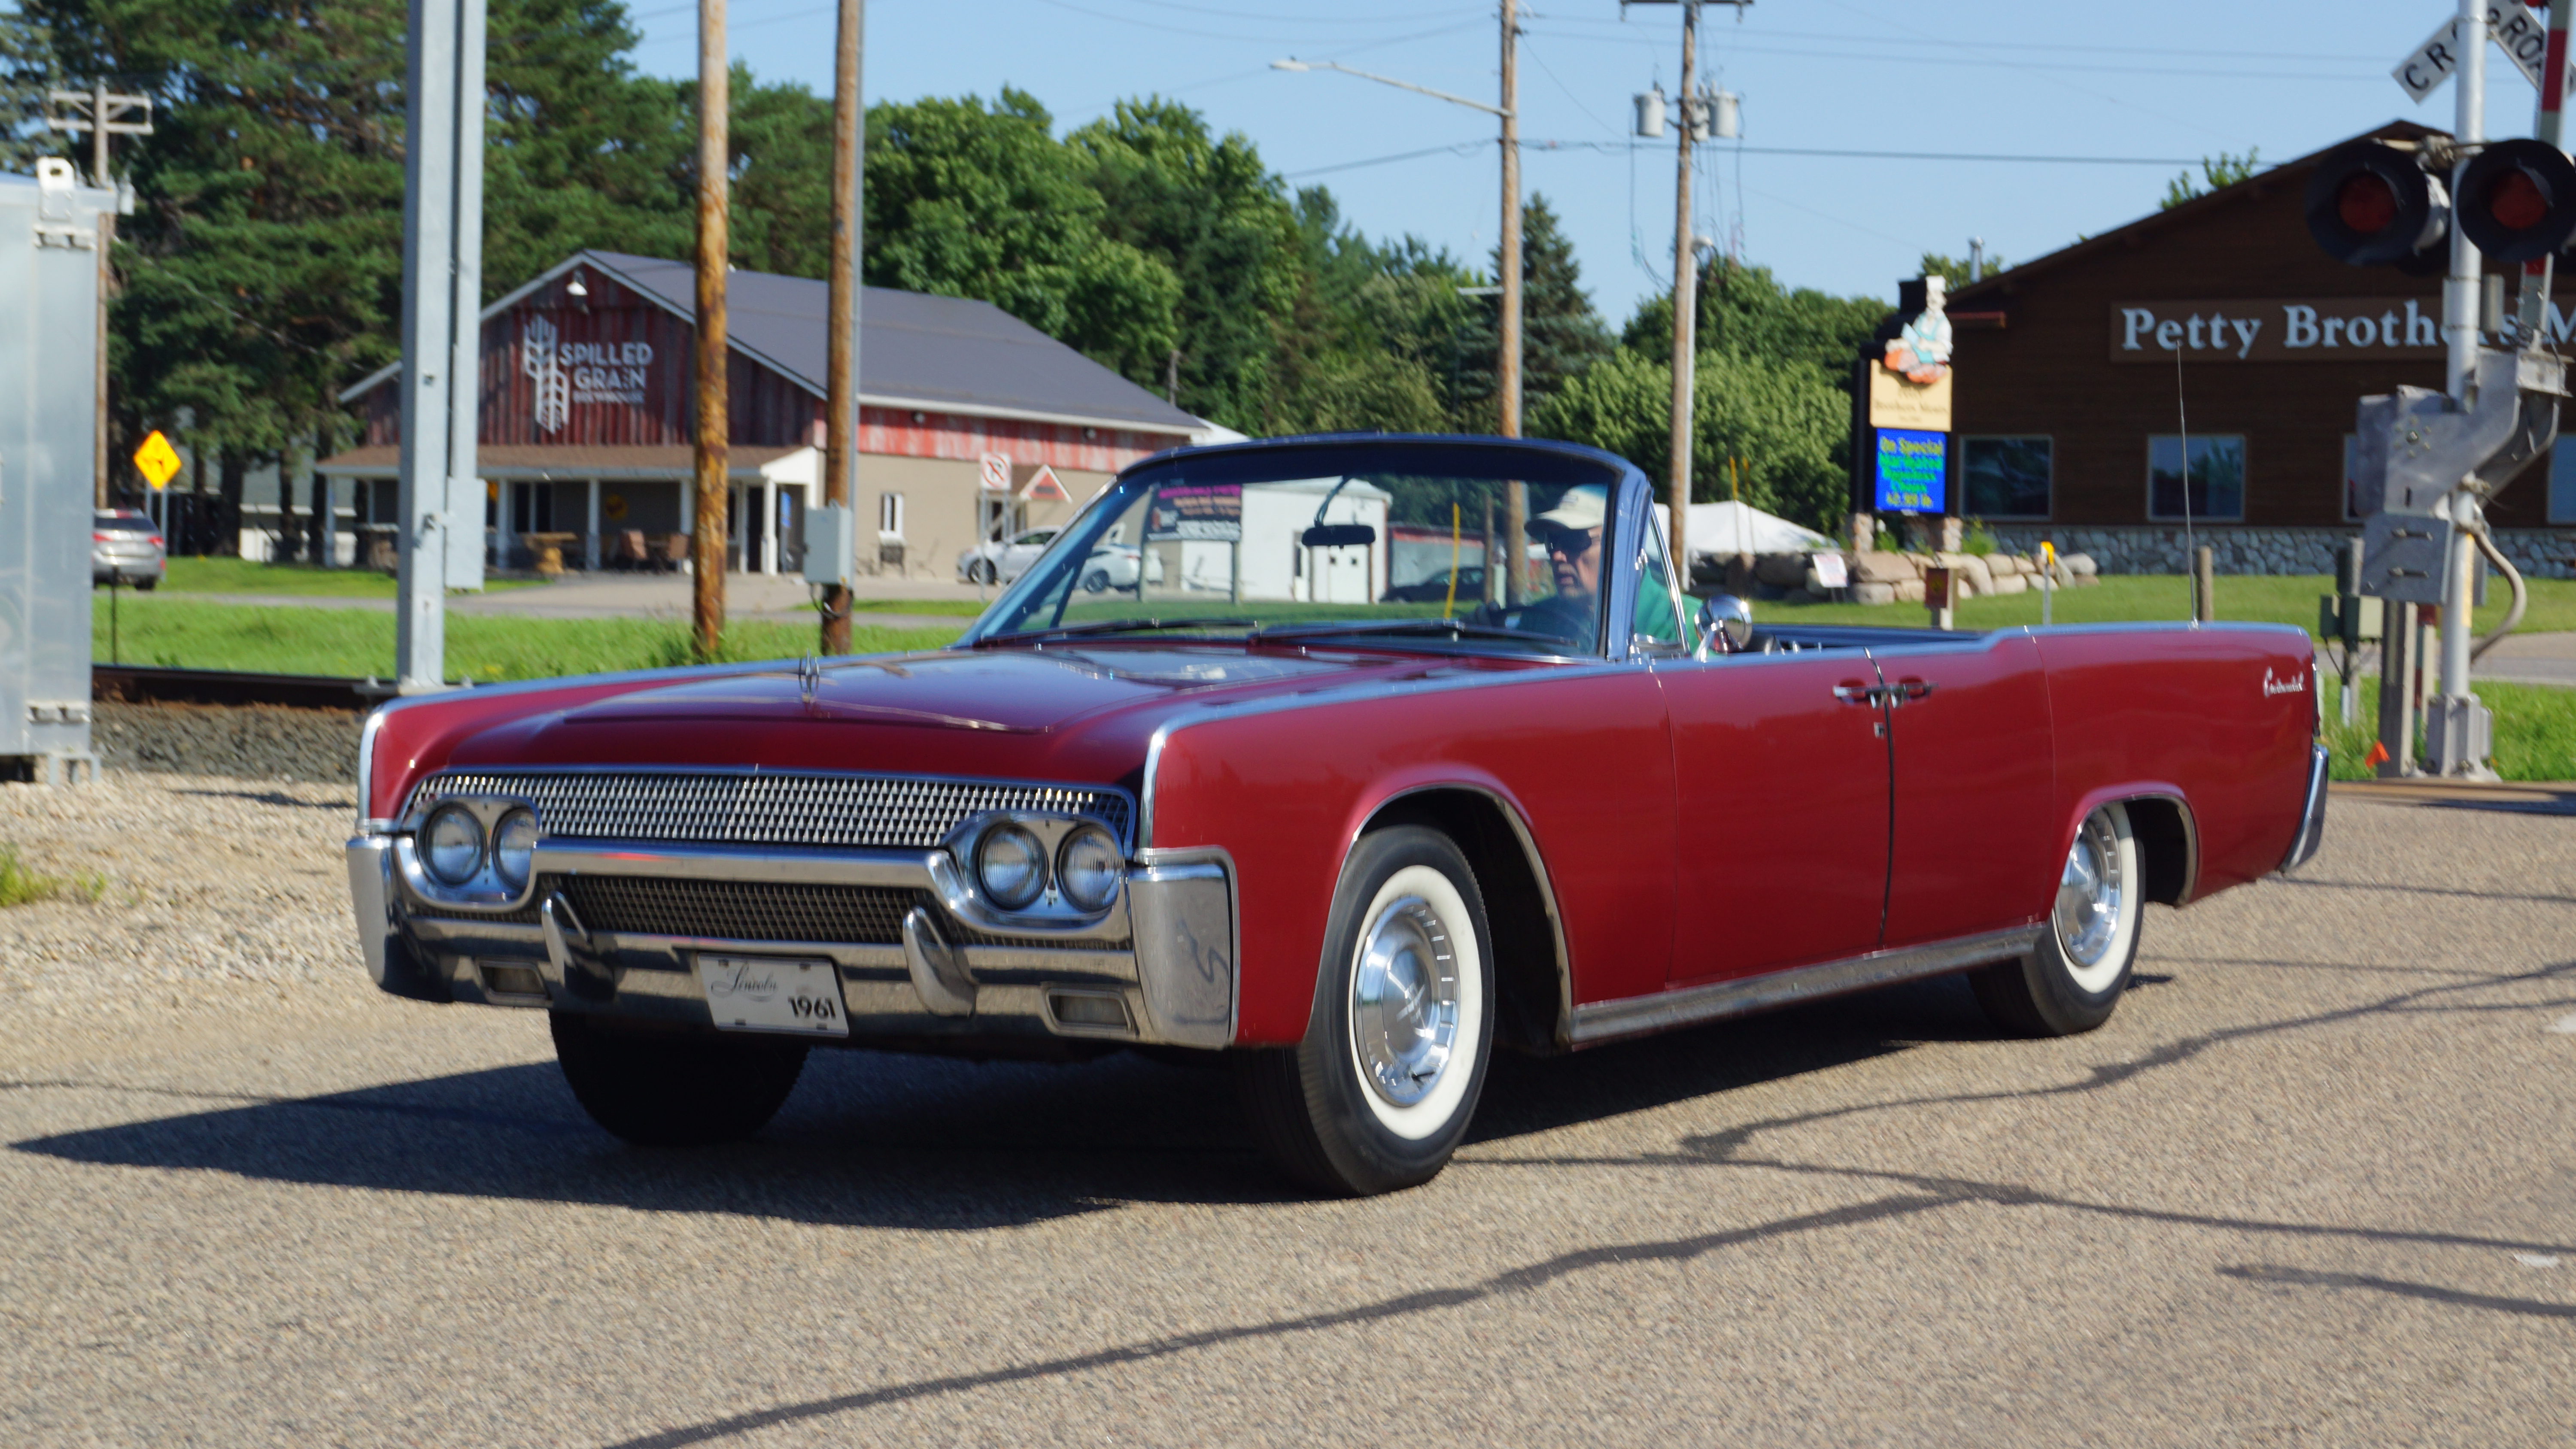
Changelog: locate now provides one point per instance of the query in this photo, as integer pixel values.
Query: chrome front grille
(767, 807)
(738, 910)
(733, 910)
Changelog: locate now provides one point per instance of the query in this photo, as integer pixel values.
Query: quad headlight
(1011, 866)
(1087, 868)
(452, 844)
(514, 846)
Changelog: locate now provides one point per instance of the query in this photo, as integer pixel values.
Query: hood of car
(1010, 691)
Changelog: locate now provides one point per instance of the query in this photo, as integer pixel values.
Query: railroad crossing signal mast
(2428, 461)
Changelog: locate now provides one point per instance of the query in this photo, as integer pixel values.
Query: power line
(1462, 147)
(2013, 45)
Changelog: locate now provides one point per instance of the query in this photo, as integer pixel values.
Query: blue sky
(2181, 79)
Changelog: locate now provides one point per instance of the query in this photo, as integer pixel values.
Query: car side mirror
(1340, 535)
(1726, 622)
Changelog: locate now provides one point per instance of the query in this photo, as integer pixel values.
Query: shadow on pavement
(882, 1140)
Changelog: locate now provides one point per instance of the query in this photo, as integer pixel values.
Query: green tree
(579, 150)
(1745, 312)
(1207, 211)
(969, 201)
(1561, 333)
(781, 187)
(2218, 171)
(1370, 344)
(1784, 424)
(27, 73)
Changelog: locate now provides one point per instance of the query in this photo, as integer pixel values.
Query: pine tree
(1561, 333)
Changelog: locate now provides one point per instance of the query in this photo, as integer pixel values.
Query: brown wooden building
(586, 418)
(2080, 373)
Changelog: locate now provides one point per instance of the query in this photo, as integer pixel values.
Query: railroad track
(139, 684)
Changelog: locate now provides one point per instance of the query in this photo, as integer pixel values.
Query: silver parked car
(125, 547)
(996, 562)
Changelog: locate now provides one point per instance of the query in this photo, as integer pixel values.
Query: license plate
(768, 993)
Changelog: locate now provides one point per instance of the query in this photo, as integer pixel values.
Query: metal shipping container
(48, 399)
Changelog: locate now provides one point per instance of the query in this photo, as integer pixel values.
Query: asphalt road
(2312, 1185)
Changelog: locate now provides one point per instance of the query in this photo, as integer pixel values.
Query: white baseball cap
(1584, 506)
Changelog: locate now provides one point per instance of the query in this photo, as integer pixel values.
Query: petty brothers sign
(2303, 329)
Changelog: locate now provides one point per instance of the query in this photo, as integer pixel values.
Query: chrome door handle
(1913, 688)
(1856, 693)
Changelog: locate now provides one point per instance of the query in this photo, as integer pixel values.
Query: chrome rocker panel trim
(1603, 1021)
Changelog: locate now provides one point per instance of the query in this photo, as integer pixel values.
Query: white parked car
(996, 562)
(1118, 566)
(1112, 565)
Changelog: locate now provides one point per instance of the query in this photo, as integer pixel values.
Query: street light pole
(1507, 364)
(841, 367)
(707, 545)
(1685, 307)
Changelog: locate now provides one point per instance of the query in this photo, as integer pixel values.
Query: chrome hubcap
(1404, 1002)
(2091, 893)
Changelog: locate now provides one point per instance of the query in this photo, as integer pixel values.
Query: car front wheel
(1381, 1091)
(2073, 976)
(1096, 581)
(675, 1089)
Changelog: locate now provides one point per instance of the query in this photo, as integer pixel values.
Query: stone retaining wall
(2544, 553)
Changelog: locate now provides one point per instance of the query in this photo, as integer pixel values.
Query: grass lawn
(2124, 598)
(2535, 728)
(187, 633)
(242, 576)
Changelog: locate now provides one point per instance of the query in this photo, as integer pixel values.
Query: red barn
(587, 418)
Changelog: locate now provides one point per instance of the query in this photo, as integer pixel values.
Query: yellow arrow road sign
(158, 460)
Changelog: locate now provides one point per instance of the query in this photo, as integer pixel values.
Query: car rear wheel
(147, 585)
(2072, 979)
(675, 1089)
(1381, 1091)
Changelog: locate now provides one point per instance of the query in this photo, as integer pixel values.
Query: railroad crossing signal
(2517, 200)
(157, 460)
(2372, 204)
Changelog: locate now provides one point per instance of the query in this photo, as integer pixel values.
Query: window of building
(2217, 478)
(890, 514)
(2562, 481)
(2352, 478)
(2005, 477)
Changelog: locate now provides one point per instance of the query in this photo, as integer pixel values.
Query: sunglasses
(1572, 542)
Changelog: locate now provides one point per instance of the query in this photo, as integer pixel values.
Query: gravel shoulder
(224, 903)
(2313, 1184)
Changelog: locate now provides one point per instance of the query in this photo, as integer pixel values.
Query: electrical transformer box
(49, 266)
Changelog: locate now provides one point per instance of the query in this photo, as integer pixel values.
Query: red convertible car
(1252, 808)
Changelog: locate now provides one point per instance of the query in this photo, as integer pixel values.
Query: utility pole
(2460, 329)
(714, 415)
(441, 498)
(108, 115)
(1507, 364)
(841, 366)
(1685, 304)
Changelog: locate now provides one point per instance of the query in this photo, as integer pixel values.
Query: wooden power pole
(841, 384)
(714, 414)
(1685, 305)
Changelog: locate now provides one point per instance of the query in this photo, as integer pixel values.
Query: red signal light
(2365, 203)
(2514, 200)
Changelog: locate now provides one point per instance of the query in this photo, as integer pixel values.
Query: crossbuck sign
(2523, 39)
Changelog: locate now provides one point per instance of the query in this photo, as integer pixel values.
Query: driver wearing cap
(1571, 532)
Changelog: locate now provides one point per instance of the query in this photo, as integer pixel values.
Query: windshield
(1325, 540)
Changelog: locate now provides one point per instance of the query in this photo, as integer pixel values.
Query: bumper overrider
(919, 944)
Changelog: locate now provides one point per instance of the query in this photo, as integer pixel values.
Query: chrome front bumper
(2312, 818)
(1166, 951)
